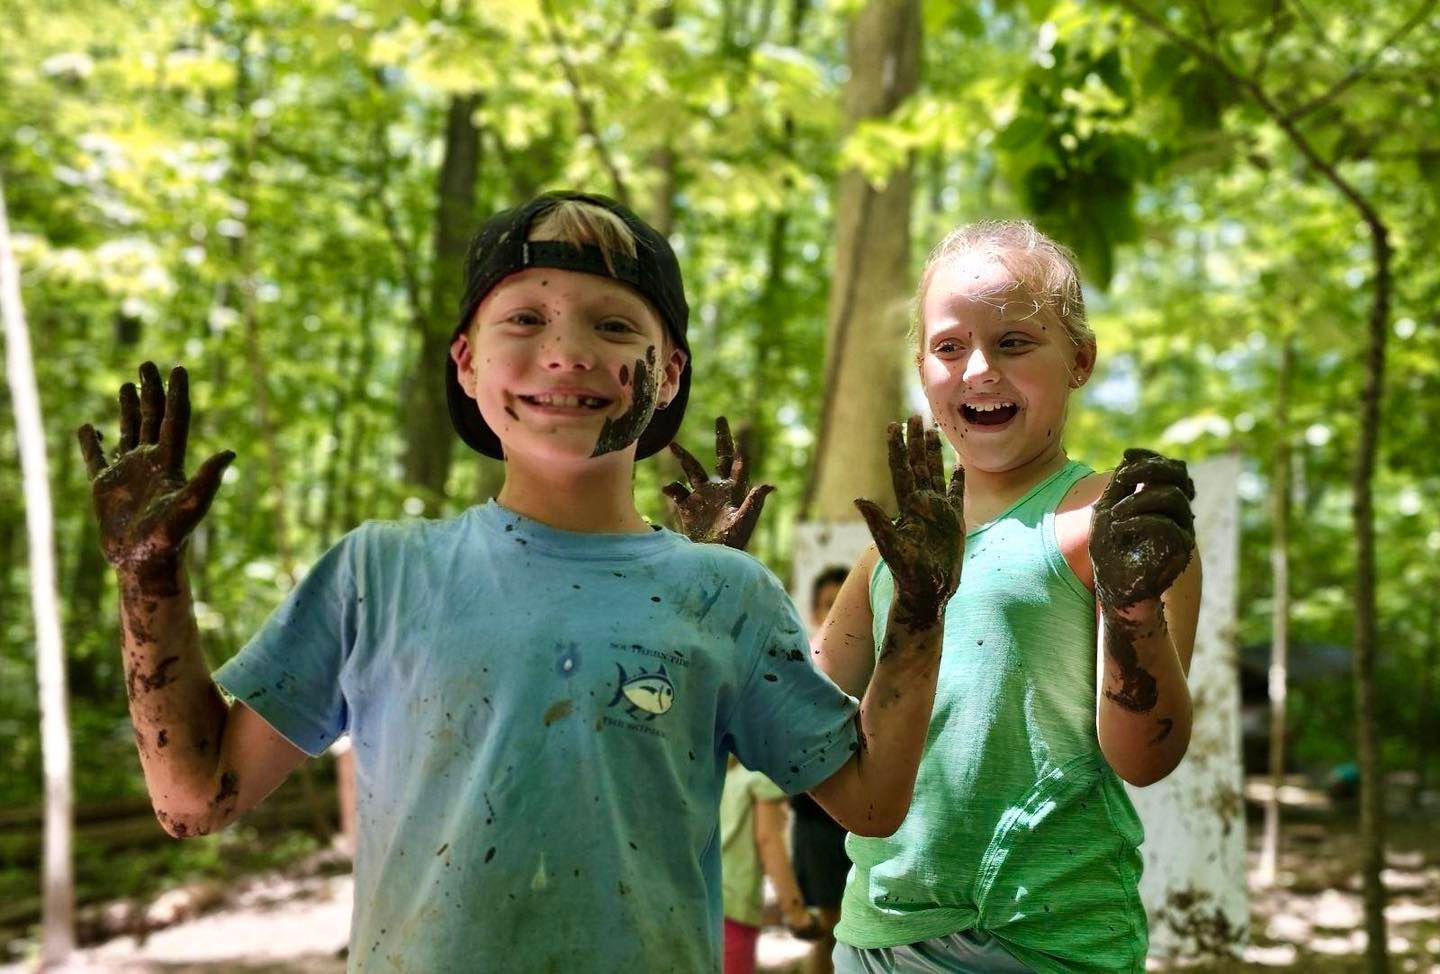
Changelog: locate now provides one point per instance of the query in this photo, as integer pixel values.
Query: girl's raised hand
(925, 544)
(722, 511)
(1141, 540)
(145, 506)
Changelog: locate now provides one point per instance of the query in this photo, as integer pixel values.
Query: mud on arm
(923, 547)
(198, 779)
(1147, 589)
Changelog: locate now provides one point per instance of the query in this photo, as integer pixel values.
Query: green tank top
(1018, 827)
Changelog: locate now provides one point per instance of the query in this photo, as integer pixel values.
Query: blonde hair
(579, 223)
(1045, 270)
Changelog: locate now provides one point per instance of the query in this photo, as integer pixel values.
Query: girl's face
(565, 365)
(997, 370)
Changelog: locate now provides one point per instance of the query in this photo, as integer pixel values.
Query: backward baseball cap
(502, 248)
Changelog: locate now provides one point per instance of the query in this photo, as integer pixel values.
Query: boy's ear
(460, 354)
(1084, 364)
(670, 380)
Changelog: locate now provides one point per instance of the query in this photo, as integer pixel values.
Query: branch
(1277, 12)
(617, 40)
(1268, 106)
(582, 104)
(1358, 71)
(1315, 28)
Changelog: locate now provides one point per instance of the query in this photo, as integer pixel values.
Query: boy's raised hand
(145, 506)
(722, 511)
(925, 544)
(1141, 540)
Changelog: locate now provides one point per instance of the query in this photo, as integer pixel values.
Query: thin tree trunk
(1372, 771)
(1425, 728)
(1279, 609)
(428, 436)
(58, 881)
(867, 305)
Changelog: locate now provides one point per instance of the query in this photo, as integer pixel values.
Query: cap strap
(586, 258)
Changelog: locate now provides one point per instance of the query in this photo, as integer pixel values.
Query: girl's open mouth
(989, 413)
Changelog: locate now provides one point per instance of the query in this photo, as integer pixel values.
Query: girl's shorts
(966, 952)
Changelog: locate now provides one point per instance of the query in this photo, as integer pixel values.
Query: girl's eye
(1015, 343)
(947, 347)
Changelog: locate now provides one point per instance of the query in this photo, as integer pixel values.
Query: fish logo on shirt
(646, 695)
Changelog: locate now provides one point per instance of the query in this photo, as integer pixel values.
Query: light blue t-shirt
(540, 723)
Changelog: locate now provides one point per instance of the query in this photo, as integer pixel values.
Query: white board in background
(1193, 886)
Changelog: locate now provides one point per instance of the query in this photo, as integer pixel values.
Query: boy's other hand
(720, 511)
(925, 544)
(145, 506)
(805, 924)
(1141, 540)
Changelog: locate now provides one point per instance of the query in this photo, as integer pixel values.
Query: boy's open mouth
(560, 401)
(989, 413)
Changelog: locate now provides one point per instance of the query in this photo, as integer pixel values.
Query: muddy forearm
(895, 718)
(177, 712)
(1145, 712)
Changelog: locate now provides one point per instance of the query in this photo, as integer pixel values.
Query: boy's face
(565, 365)
(997, 370)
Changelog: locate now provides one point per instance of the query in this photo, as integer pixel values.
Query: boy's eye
(525, 318)
(618, 325)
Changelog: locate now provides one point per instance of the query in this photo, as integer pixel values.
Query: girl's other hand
(144, 504)
(925, 544)
(1141, 540)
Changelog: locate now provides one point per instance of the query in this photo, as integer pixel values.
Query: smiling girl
(1019, 852)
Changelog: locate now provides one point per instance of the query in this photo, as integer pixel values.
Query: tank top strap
(1042, 499)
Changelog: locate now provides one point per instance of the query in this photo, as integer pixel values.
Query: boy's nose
(565, 352)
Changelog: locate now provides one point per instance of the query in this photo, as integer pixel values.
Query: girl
(1019, 849)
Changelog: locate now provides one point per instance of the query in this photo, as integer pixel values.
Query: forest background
(277, 195)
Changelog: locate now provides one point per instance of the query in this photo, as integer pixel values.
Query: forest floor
(295, 921)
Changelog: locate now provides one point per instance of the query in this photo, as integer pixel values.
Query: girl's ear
(460, 353)
(670, 376)
(1084, 364)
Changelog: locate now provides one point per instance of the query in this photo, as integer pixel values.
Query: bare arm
(1147, 587)
(870, 794)
(205, 764)
(770, 822)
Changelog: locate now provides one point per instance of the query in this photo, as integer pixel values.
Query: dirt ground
(1311, 921)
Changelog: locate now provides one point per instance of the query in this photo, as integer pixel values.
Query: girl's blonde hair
(1044, 270)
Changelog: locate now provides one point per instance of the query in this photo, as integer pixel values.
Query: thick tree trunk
(1279, 609)
(58, 881)
(869, 290)
(1372, 771)
(428, 436)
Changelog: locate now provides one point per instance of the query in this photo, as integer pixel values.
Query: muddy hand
(924, 545)
(722, 511)
(1141, 540)
(145, 506)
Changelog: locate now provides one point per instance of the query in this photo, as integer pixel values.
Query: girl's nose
(977, 367)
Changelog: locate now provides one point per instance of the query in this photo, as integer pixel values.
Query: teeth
(990, 407)
(568, 402)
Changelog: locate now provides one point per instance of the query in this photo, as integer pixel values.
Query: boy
(541, 692)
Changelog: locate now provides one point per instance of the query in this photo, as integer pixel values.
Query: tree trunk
(58, 881)
(868, 296)
(1279, 609)
(1425, 728)
(1372, 771)
(428, 435)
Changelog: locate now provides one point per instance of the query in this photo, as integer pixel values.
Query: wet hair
(834, 575)
(577, 222)
(1045, 272)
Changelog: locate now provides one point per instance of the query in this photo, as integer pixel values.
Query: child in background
(1019, 852)
(752, 846)
(543, 691)
(817, 843)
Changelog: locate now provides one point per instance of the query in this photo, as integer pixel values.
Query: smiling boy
(542, 692)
